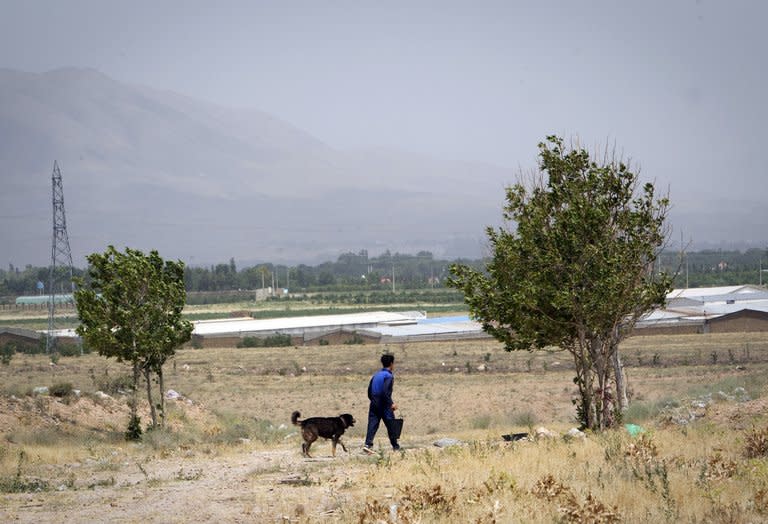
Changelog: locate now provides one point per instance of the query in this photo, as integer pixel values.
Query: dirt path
(102, 482)
(249, 486)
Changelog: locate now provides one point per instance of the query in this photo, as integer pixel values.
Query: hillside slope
(154, 169)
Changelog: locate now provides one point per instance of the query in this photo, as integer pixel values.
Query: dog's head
(348, 420)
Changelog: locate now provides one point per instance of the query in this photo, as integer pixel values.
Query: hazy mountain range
(156, 170)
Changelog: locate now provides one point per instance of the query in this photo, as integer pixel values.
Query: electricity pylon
(61, 258)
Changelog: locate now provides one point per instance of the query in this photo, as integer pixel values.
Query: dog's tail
(295, 418)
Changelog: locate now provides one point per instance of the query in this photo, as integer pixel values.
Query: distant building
(19, 336)
(357, 328)
(709, 310)
(44, 299)
(228, 332)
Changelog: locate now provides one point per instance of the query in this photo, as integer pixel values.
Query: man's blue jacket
(380, 391)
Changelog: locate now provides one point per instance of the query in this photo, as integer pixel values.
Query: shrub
(69, 350)
(756, 443)
(41, 436)
(232, 427)
(356, 339)
(249, 342)
(6, 353)
(526, 419)
(162, 438)
(277, 340)
(29, 348)
(113, 385)
(481, 422)
(133, 432)
(61, 389)
(434, 498)
(641, 411)
(20, 484)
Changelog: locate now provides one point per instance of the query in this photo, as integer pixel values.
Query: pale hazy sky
(679, 86)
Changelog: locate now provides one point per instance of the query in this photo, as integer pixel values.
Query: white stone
(542, 432)
(447, 442)
(172, 395)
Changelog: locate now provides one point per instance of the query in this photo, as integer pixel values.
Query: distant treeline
(716, 267)
(350, 272)
(358, 273)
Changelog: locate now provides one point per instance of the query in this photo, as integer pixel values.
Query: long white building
(709, 309)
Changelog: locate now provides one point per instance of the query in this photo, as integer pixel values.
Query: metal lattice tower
(60, 274)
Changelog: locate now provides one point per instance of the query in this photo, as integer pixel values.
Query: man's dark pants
(376, 415)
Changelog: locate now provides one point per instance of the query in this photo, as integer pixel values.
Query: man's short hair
(387, 359)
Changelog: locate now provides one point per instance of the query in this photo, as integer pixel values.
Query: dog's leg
(309, 435)
(342, 445)
(333, 446)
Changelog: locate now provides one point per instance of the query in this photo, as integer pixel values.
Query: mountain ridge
(154, 169)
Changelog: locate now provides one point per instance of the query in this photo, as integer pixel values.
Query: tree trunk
(162, 396)
(589, 397)
(621, 382)
(585, 407)
(602, 395)
(135, 395)
(152, 410)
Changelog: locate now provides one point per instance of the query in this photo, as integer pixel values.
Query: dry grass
(232, 454)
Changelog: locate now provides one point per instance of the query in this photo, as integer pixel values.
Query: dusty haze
(295, 131)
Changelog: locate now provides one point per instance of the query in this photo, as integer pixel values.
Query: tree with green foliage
(6, 353)
(575, 272)
(131, 310)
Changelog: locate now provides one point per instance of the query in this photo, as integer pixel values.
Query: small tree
(577, 272)
(131, 310)
(6, 353)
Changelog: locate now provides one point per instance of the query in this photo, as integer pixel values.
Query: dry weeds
(231, 455)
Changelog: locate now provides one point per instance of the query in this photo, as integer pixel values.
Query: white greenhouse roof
(420, 329)
(63, 333)
(698, 292)
(726, 309)
(706, 303)
(276, 325)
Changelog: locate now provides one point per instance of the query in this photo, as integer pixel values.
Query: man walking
(382, 407)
